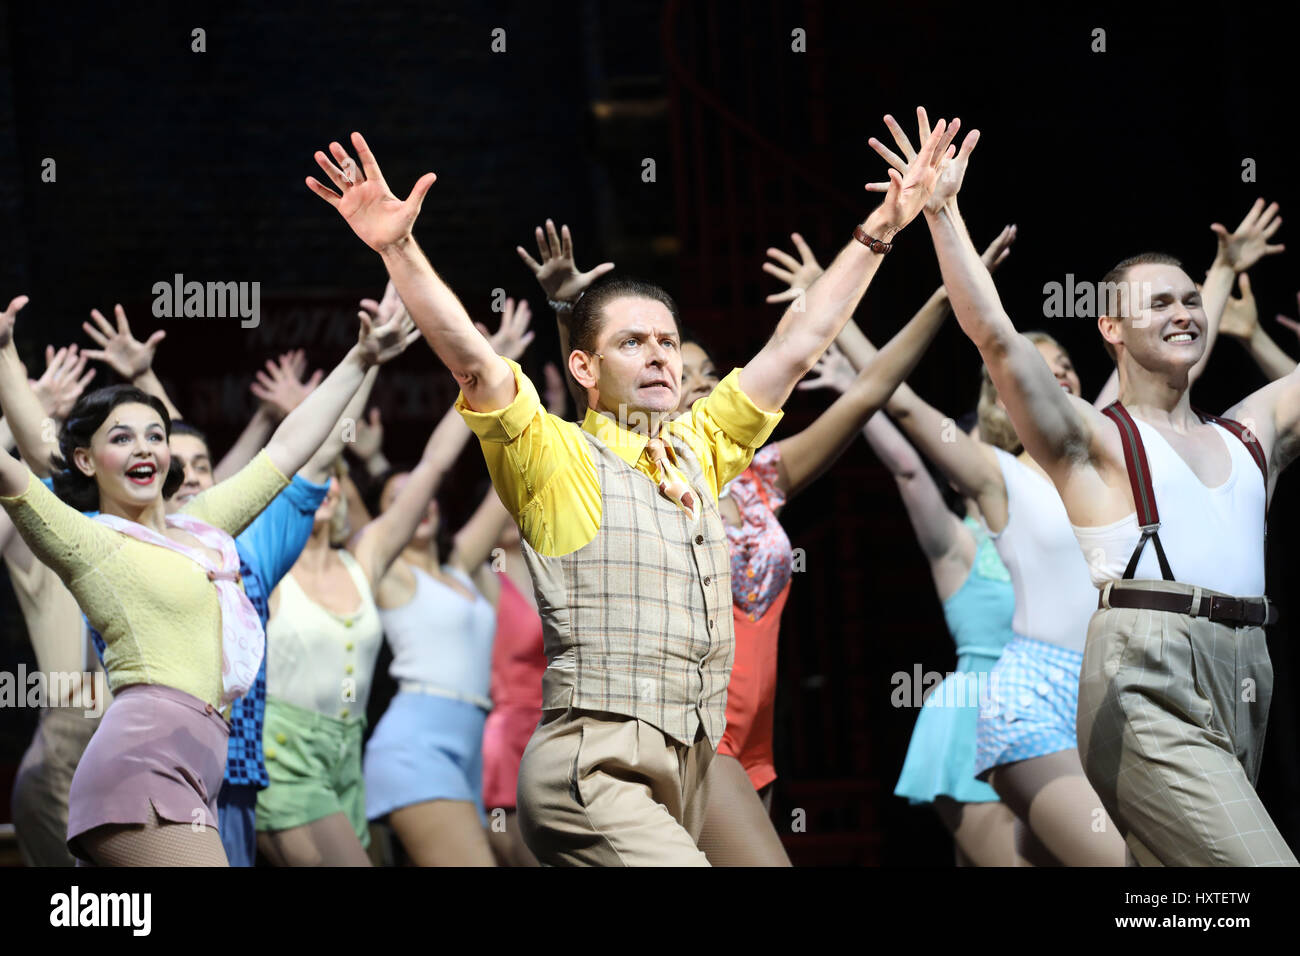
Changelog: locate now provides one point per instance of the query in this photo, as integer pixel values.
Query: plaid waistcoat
(638, 621)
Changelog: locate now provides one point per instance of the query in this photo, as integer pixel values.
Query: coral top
(156, 609)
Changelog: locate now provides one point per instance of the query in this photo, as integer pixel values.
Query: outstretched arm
(32, 429)
(381, 541)
(475, 541)
(1056, 428)
(1241, 322)
(384, 222)
(938, 530)
(812, 322)
(280, 391)
(305, 428)
(809, 453)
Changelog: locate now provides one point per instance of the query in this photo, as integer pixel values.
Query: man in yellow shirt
(632, 576)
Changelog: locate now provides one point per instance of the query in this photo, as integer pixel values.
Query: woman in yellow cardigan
(182, 638)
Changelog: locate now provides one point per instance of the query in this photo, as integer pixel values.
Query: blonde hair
(994, 422)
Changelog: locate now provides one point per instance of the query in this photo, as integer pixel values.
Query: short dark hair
(589, 313)
(182, 427)
(78, 489)
(1119, 274)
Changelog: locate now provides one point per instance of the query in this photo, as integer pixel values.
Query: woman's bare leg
(1053, 797)
(984, 834)
(442, 833)
(329, 841)
(737, 829)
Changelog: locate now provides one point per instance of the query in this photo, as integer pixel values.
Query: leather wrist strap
(875, 245)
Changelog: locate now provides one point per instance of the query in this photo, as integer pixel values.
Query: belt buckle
(1227, 610)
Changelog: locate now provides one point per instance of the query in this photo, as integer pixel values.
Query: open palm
(938, 175)
(377, 216)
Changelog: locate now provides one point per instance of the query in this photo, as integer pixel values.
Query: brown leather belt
(1240, 612)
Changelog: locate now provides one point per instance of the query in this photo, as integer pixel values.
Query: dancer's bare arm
(21, 408)
(1056, 428)
(383, 539)
(279, 390)
(938, 530)
(305, 428)
(1241, 322)
(804, 332)
(384, 223)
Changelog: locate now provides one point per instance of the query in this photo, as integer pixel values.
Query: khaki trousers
(1172, 714)
(599, 789)
(40, 795)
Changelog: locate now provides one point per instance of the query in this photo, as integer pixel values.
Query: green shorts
(314, 763)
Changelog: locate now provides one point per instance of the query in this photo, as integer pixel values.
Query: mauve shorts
(156, 746)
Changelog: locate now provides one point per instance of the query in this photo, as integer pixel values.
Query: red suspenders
(1139, 476)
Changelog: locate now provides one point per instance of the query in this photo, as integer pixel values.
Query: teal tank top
(979, 614)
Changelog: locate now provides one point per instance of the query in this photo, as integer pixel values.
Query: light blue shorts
(425, 748)
(1032, 705)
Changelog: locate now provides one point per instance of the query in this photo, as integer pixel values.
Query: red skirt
(751, 693)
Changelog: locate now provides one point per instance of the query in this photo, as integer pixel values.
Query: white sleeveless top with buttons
(317, 659)
(1213, 537)
(1054, 596)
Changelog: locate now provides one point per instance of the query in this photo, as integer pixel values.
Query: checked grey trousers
(1171, 721)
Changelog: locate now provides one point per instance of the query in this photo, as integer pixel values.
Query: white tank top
(443, 639)
(320, 660)
(1054, 597)
(1213, 537)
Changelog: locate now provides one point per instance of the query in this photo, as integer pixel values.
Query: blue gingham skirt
(1032, 705)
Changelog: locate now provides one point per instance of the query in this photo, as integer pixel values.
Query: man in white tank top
(1176, 679)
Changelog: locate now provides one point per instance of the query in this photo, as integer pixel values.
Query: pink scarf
(242, 639)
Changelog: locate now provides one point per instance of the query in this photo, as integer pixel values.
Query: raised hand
(8, 317)
(999, 248)
(927, 178)
(513, 338)
(799, 274)
(1240, 316)
(832, 370)
(118, 348)
(379, 218)
(64, 380)
(558, 273)
(1245, 246)
(280, 387)
(386, 308)
(381, 342)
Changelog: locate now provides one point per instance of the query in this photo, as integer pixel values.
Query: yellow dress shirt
(542, 468)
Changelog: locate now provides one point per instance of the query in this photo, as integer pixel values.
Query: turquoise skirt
(940, 759)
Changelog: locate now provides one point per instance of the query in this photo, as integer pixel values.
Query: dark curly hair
(70, 484)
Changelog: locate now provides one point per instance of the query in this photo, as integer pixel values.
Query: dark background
(171, 161)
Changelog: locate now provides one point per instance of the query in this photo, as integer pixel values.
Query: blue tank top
(979, 614)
